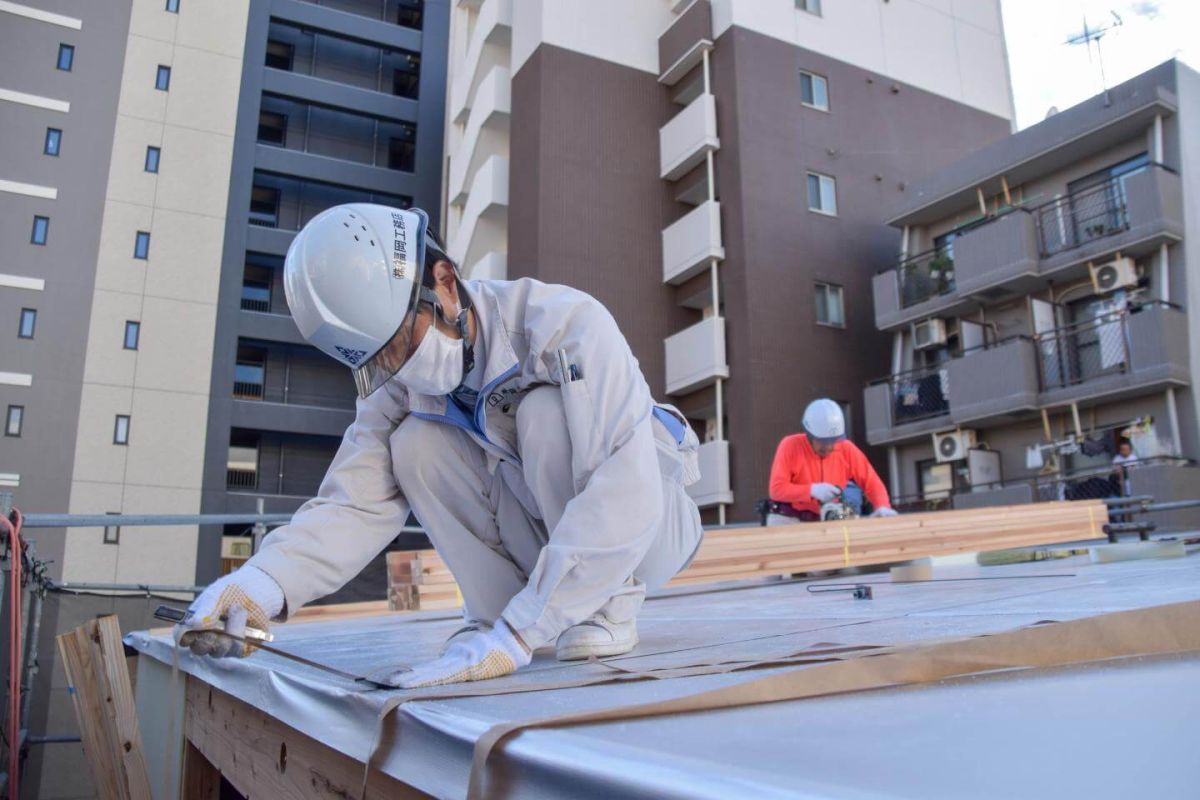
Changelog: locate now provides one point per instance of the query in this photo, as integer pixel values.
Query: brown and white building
(1039, 310)
(716, 172)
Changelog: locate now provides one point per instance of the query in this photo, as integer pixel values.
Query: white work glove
(487, 654)
(883, 511)
(245, 597)
(824, 492)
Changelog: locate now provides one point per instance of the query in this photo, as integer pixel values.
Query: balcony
(682, 46)
(1022, 249)
(919, 287)
(696, 356)
(1120, 354)
(684, 141)
(907, 405)
(993, 383)
(714, 487)
(1002, 252)
(1133, 213)
(690, 243)
(490, 112)
(493, 26)
(483, 226)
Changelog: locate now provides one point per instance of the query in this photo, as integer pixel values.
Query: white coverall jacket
(628, 462)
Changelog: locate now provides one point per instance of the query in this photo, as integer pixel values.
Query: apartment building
(1038, 310)
(158, 157)
(342, 101)
(715, 172)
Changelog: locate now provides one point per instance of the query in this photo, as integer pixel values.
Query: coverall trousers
(490, 526)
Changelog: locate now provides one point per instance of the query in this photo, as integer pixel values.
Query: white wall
(163, 385)
(953, 48)
(622, 31)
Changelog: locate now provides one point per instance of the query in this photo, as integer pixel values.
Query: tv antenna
(1090, 35)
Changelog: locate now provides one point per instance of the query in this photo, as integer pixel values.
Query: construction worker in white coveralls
(513, 419)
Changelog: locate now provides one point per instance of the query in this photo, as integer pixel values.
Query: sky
(1047, 72)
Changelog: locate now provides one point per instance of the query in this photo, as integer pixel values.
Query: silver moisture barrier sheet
(1116, 729)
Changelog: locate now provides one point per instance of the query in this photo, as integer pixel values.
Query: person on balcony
(821, 466)
(511, 417)
(1122, 461)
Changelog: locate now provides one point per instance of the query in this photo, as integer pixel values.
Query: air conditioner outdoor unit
(928, 333)
(953, 445)
(1113, 275)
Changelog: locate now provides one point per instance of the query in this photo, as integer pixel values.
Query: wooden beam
(264, 759)
(94, 660)
(1007, 193)
(982, 202)
(805, 547)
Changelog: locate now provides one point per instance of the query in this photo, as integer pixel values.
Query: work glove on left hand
(884, 511)
(487, 654)
(245, 597)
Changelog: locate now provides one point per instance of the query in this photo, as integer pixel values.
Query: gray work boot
(464, 633)
(597, 636)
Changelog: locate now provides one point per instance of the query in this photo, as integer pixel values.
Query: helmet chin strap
(459, 323)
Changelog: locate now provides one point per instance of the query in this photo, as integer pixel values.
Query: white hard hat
(351, 276)
(824, 421)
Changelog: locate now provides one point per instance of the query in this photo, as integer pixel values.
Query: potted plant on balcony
(941, 272)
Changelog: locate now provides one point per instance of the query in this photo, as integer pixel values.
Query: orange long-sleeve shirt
(796, 468)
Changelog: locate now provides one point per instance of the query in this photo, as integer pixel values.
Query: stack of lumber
(421, 580)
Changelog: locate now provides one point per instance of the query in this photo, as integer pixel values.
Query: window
(272, 128)
(41, 229)
(28, 322)
(407, 78)
(256, 289)
(132, 331)
(402, 150)
(121, 429)
(249, 372)
(409, 13)
(162, 81)
(173, 6)
(829, 305)
(811, 6)
(141, 245)
(814, 91)
(152, 154)
(13, 420)
(53, 141)
(112, 533)
(822, 194)
(66, 57)
(264, 206)
(241, 466)
(279, 54)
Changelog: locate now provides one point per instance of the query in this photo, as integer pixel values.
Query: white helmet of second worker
(824, 422)
(352, 276)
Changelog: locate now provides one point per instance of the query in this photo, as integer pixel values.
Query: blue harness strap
(672, 423)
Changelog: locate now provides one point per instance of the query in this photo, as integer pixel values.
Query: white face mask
(436, 366)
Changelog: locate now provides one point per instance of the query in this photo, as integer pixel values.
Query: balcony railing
(289, 396)
(1090, 483)
(919, 394)
(1078, 353)
(241, 479)
(251, 304)
(244, 390)
(926, 275)
(1083, 216)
